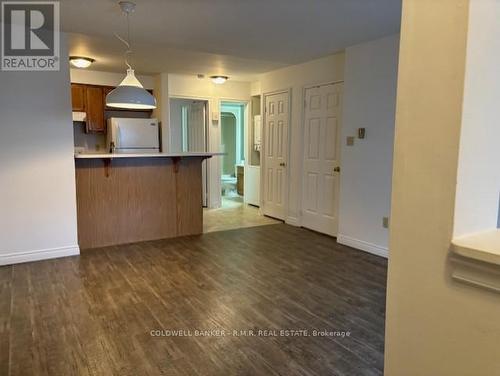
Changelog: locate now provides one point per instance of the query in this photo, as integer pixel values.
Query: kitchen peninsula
(126, 198)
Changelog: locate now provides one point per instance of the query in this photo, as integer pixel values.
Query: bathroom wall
(228, 141)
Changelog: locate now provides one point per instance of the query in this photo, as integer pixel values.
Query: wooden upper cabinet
(78, 97)
(94, 101)
(105, 91)
(91, 99)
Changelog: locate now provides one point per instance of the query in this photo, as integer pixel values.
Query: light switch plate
(385, 222)
(350, 141)
(361, 133)
(215, 116)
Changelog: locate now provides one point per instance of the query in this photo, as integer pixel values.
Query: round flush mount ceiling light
(219, 79)
(81, 61)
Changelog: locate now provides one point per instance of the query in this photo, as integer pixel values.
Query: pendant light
(130, 94)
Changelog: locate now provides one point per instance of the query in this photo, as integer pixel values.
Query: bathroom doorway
(238, 209)
(232, 123)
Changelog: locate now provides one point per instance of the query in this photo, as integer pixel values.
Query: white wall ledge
(483, 246)
(476, 260)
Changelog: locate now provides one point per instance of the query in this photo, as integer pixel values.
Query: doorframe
(263, 149)
(244, 118)
(207, 134)
(303, 148)
(246, 123)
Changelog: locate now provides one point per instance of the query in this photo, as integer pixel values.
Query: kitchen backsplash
(90, 141)
(97, 141)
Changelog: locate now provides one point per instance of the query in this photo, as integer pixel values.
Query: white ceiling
(234, 37)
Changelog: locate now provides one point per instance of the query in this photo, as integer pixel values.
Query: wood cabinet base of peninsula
(128, 200)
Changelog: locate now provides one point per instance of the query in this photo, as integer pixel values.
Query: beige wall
(478, 185)
(37, 172)
(371, 71)
(434, 326)
(295, 78)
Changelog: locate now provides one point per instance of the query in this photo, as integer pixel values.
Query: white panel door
(320, 198)
(196, 127)
(275, 155)
(196, 138)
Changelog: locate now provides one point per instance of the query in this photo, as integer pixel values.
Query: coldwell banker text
(30, 36)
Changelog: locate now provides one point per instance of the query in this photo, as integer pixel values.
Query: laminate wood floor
(234, 214)
(95, 314)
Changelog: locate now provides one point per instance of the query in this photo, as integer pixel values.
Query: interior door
(275, 155)
(196, 138)
(196, 127)
(321, 179)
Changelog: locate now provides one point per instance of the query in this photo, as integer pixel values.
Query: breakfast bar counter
(144, 155)
(126, 198)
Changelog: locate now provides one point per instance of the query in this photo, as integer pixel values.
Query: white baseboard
(292, 221)
(363, 246)
(37, 255)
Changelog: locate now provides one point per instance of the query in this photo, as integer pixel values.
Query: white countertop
(143, 155)
(483, 246)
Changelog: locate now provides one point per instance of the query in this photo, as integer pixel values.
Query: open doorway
(232, 123)
(188, 131)
(239, 188)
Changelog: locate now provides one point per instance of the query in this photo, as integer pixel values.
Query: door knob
(336, 169)
(282, 164)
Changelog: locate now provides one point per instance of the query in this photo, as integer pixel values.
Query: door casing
(205, 164)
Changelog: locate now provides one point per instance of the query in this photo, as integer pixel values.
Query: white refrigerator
(127, 135)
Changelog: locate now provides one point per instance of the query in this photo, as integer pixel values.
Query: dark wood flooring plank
(93, 314)
(5, 309)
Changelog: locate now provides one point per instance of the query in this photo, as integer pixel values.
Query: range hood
(79, 116)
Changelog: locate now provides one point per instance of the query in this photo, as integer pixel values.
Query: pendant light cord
(126, 42)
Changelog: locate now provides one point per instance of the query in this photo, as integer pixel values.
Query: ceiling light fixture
(81, 61)
(219, 79)
(130, 93)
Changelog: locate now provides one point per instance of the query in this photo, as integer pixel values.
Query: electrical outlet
(385, 222)
(350, 141)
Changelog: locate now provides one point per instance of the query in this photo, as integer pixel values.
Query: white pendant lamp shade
(130, 94)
